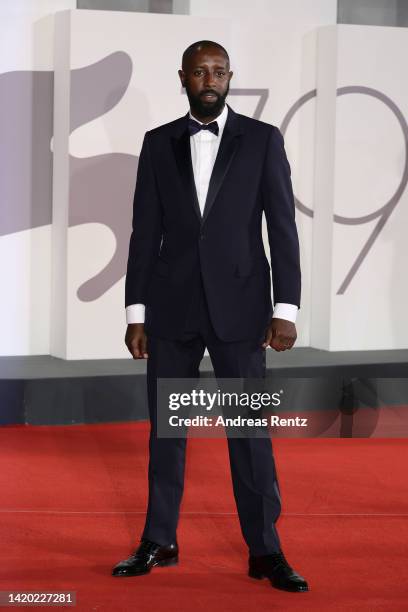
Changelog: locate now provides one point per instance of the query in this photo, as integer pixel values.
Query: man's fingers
(135, 349)
(281, 335)
(136, 340)
(268, 338)
(281, 343)
(144, 346)
(275, 344)
(139, 348)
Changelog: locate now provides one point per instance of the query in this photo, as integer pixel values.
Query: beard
(204, 108)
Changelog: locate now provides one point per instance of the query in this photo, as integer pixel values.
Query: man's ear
(231, 74)
(182, 77)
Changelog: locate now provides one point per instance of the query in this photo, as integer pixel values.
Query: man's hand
(136, 340)
(281, 335)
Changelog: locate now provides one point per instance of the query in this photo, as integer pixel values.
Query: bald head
(202, 45)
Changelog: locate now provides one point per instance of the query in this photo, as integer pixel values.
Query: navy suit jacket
(171, 241)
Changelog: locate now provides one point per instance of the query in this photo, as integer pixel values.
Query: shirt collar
(221, 119)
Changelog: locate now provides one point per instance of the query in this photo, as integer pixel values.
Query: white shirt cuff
(135, 313)
(285, 311)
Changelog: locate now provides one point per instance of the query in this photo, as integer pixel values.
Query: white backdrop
(105, 90)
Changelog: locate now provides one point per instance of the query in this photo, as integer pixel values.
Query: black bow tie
(194, 127)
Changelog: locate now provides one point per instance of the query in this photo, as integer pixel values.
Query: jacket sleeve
(279, 207)
(145, 239)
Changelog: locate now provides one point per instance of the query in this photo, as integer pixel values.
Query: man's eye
(198, 72)
(221, 74)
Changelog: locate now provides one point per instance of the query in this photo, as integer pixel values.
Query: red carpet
(73, 502)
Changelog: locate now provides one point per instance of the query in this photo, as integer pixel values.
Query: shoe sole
(163, 563)
(259, 576)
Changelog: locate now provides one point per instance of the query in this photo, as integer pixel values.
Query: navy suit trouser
(254, 479)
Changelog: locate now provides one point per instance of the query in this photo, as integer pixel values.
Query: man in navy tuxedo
(198, 277)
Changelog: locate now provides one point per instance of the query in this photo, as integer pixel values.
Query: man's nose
(209, 81)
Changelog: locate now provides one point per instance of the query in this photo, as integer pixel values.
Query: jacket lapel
(227, 149)
(182, 152)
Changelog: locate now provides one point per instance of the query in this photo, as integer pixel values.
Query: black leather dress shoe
(275, 567)
(145, 557)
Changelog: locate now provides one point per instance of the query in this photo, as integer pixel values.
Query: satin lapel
(182, 152)
(228, 147)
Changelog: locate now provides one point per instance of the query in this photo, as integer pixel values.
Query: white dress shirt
(204, 148)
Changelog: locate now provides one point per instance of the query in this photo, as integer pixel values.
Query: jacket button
(202, 236)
